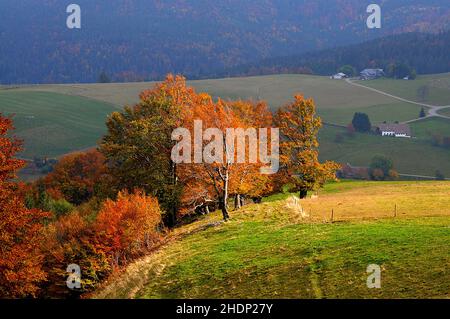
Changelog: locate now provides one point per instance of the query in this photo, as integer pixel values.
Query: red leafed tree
(127, 226)
(79, 176)
(21, 229)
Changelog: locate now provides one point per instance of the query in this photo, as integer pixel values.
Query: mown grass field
(336, 100)
(438, 88)
(431, 126)
(52, 124)
(270, 251)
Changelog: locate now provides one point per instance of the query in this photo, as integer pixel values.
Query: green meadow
(53, 124)
(410, 156)
(270, 251)
(437, 88)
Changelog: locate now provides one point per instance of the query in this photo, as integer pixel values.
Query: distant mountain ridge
(145, 39)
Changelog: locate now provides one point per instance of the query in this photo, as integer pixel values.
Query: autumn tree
(249, 181)
(72, 240)
(138, 143)
(21, 258)
(127, 226)
(221, 165)
(382, 168)
(210, 166)
(299, 127)
(79, 177)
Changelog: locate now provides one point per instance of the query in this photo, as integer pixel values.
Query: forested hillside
(145, 39)
(427, 53)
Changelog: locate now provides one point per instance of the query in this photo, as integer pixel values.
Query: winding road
(432, 110)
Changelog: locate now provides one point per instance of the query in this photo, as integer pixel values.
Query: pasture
(336, 100)
(445, 112)
(431, 126)
(410, 156)
(437, 88)
(270, 251)
(53, 124)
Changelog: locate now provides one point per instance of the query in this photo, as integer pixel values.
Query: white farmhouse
(394, 130)
(339, 76)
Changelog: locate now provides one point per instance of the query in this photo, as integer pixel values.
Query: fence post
(332, 215)
(395, 211)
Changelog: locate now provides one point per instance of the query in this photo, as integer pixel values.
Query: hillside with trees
(399, 55)
(106, 207)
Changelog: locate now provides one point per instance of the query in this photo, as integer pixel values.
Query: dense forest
(426, 53)
(136, 40)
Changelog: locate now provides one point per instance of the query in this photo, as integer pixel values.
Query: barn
(394, 130)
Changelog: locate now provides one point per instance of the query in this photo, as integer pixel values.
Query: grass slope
(336, 101)
(410, 156)
(445, 112)
(426, 128)
(438, 88)
(53, 124)
(268, 251)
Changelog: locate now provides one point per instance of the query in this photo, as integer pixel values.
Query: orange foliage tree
(249, 181)
(21, 258)
(71, 240)
(299, 127)
(138, 143)
(223, 175)
(79, 177)
(128, 226)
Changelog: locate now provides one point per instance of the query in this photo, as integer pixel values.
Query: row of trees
(139, 144)
(102, 208)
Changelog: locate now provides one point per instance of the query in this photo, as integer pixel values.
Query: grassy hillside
(52, 124)
(269, 251)
(438, 88)
(445, 112)
(410, 156)
(424, 129)
(56, 119)
(336, 100)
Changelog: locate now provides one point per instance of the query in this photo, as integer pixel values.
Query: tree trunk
(303, 193)
(226, 216)
(237, 202)
(172, 218)
(224, 208)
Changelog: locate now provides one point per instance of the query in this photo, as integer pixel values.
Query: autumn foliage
(127, 226)
(124, 195)
(21, 229)
(299, 153)
(78, 177)
(123, 229)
